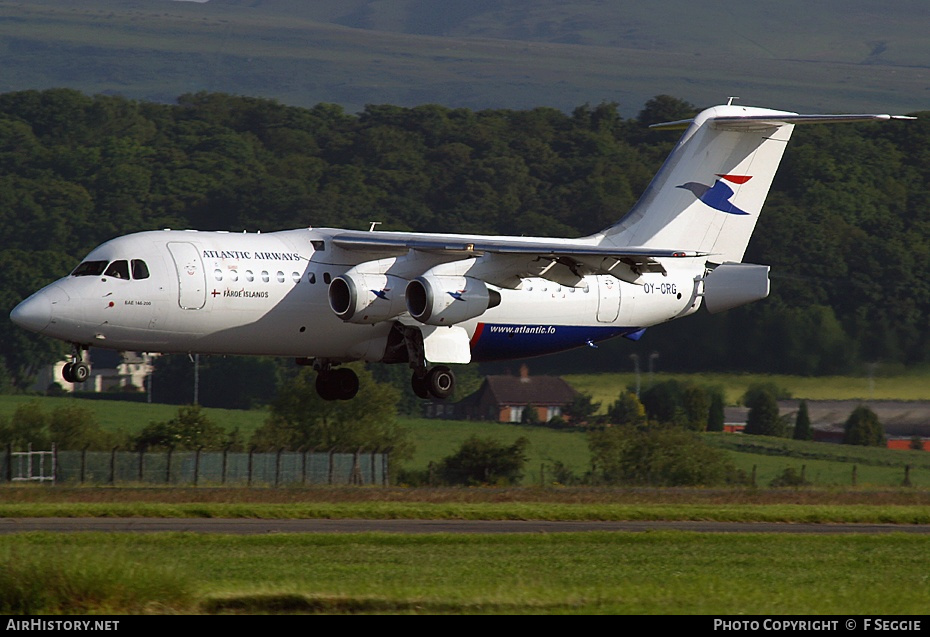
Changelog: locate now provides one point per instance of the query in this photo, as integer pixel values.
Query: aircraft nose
(35, 313)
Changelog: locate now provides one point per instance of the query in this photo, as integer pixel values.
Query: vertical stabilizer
(708, 195)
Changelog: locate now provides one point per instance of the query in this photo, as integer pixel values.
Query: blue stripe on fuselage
(495, 341)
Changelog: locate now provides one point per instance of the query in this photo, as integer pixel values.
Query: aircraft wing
(506, 258)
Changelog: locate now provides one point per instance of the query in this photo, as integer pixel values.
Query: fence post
(303, 467)
(9, 462)
(356, 477)
(225, 455)
(54, 463)
(83, 463)
(197, 464)
(907, 476)
(385, 476)
(141, 463)
(753, 476)
(855, 468)
(331, 451)
(113, 466)
(168, 466)
(251, 451)
(277, 467)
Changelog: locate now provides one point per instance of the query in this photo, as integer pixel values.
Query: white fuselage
(267, 294)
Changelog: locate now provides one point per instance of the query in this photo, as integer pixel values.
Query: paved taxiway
(252, 527)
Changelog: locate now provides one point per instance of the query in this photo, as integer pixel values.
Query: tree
(715, 415)
(696, 406)
(29, 425)
(74, 427)
(802, 424)
(863, 428)
(300, 419)
(581, 409)
(485, 461)
(627, 410)
(657, 456)
(190, 429)
(763, 418)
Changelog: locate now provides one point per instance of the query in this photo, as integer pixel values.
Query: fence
(277, 468)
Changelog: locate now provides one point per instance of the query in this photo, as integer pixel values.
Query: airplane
(328, 296)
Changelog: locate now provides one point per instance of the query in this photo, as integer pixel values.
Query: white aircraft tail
(708, 195)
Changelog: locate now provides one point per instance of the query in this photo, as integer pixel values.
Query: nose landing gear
(77, 371)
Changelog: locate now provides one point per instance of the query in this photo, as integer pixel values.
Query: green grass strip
(810, 513)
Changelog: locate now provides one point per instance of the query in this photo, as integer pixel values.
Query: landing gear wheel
(337, 384)
(346, 382)
(420, 386)
(441, 382)
(66, 372)
(80, 372)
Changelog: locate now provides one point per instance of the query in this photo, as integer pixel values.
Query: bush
(657, 456)
(485, 461)
(863, 428)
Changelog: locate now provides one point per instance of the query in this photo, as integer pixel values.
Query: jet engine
(447, 300)
(366, 298)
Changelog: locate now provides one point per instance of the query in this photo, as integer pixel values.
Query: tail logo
(718, 195)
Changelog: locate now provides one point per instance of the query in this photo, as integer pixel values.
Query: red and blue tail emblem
(718, 195)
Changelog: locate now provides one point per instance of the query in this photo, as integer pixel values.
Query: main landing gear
(77, 371)
(334, 384)
(437, 382)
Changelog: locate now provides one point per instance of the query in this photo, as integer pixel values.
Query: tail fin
(708, 195)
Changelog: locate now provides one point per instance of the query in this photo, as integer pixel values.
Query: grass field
(595, 573)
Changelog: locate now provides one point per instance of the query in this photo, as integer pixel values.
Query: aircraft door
(608, 298)
(192, 281)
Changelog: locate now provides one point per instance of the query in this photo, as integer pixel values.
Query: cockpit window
(139, 269)
(118, 270)
(90, 268)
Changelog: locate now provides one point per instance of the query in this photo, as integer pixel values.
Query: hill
(516, 54)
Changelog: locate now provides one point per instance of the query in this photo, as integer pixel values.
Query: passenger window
(326, 278)
(311, 277)
(265, 276)
(280, 277)
(295, 276)
(234, 275)
(139, 269)
(218, 274)
(249, 276)
(118, 270)
(90, 268)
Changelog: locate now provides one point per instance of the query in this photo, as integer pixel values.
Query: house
(504, 398)
(110, 370)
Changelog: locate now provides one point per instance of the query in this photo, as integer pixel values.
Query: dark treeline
(846, 228)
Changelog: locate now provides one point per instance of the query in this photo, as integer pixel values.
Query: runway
(257, 527)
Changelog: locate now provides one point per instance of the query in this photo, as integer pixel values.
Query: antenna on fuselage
(371, 228)
(730, 100)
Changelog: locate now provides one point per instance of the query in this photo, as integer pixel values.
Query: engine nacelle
(733, 284)
(367, 298)
(447, 300)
